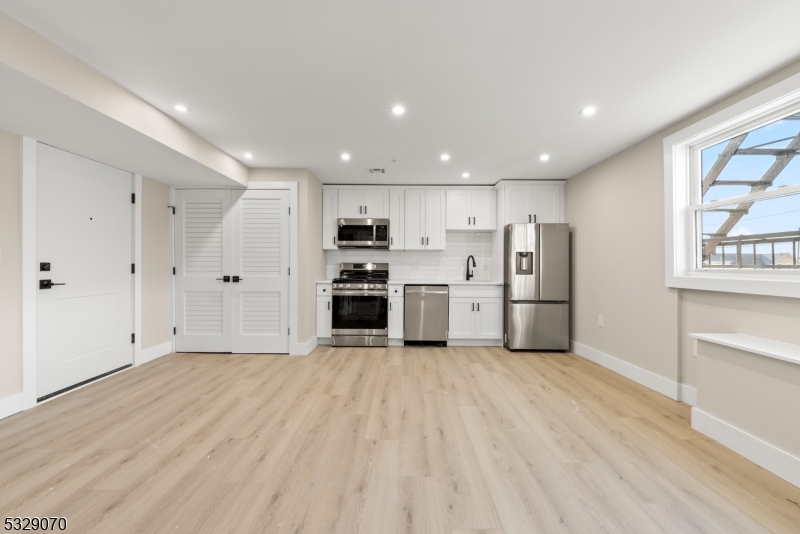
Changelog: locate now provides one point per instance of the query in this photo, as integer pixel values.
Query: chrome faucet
(469, 274)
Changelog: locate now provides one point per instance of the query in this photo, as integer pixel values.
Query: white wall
(156, 264)
(441, 265)
(10, 267)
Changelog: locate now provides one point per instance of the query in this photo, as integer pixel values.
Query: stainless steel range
(360, 305)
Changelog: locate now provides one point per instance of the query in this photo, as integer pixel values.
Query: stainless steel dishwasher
(426, 315)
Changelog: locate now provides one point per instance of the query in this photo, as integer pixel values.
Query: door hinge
(133, 268)
(133, 338)
(173, 271)
(173, 209)
(175, 330)
(133, 198)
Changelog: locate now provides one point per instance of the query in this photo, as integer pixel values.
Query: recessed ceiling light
(465, 175)
(345, 157)
(588, 111)
(544, 157)
(445, 157)
(181, 108)
(398, 110)
(248, 155)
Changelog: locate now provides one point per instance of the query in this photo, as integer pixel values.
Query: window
(733, 197)
(752, 232)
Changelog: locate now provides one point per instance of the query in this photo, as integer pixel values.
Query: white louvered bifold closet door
(202, 260)
(260, 297)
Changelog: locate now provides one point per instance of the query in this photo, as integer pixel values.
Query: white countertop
(434, 282)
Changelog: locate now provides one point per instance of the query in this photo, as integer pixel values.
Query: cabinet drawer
(476, 291)
(397, 290)
(324, 290)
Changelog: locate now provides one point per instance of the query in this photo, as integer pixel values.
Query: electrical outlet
(600, 321)
(694, 344)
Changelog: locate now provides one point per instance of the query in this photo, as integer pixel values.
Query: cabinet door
(459, 209)
(483, 208)
(462, 318)
(396, 317)
(489, 318)
(376, 203)
(516, 204)
(330, 208)
(351, 204)
(396, 218)
(414, 219)
(434, 219)
(548, 202)
(324, 317)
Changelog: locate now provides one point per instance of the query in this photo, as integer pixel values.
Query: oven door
(362, 233)
(360, 313)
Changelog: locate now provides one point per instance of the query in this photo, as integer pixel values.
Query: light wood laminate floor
(438, 440)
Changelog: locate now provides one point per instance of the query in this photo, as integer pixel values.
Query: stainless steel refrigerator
(536, 287)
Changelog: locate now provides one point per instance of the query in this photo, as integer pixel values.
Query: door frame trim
(28, 185)
(295, 348)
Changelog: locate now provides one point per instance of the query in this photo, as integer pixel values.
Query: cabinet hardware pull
(473, 220)
(359, 211)
(534, 219)
(391, 241)
(473, 306)
(479, 306)
(329, 305)
(468, 220)
(390, 306)
(422, 240)
(529, 217)
(428, 240)
(365, 210)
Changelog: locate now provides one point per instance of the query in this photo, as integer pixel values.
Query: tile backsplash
(442, 265)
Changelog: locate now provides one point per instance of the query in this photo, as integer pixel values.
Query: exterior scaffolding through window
(720, 249)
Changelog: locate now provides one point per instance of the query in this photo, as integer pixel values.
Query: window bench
(779, 350)
(748, 391)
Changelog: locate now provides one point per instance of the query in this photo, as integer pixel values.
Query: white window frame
(681, 155)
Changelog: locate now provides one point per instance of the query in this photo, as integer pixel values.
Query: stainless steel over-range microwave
(362, 233)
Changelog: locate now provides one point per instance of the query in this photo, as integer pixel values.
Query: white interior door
(260, 297)
(202, 261)
(84, 233)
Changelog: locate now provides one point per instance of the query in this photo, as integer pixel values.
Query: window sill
(775, 285)
(778, 350)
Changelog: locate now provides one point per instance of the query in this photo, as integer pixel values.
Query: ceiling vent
(377, 171)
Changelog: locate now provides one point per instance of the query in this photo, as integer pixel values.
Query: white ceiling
(494, 84)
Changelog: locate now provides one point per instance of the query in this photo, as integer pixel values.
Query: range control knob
(347, 285)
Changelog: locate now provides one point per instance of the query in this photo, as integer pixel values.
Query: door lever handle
(47, 284)
(225, 278)
(237, 279)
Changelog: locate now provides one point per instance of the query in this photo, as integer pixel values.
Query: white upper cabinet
(363, 203)
(425, 219)
(396, 219)
(376, 203)
(351, 204)
(330, 210)
(472, 209)
(532, 203)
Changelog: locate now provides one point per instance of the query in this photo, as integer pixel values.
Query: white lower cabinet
(396, 315)
(476, 318)
(324, 316)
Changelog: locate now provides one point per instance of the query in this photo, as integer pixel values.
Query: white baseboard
(11, 405)
(687, 394)
(474, 342)
(304, 349)
(644, 377)
(760, 452)
(151, 353)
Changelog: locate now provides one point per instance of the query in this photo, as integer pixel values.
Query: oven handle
(359, 293)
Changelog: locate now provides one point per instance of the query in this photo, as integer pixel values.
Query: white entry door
(260, 271)
(232, 270)
(203, 221)
(84, 248)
